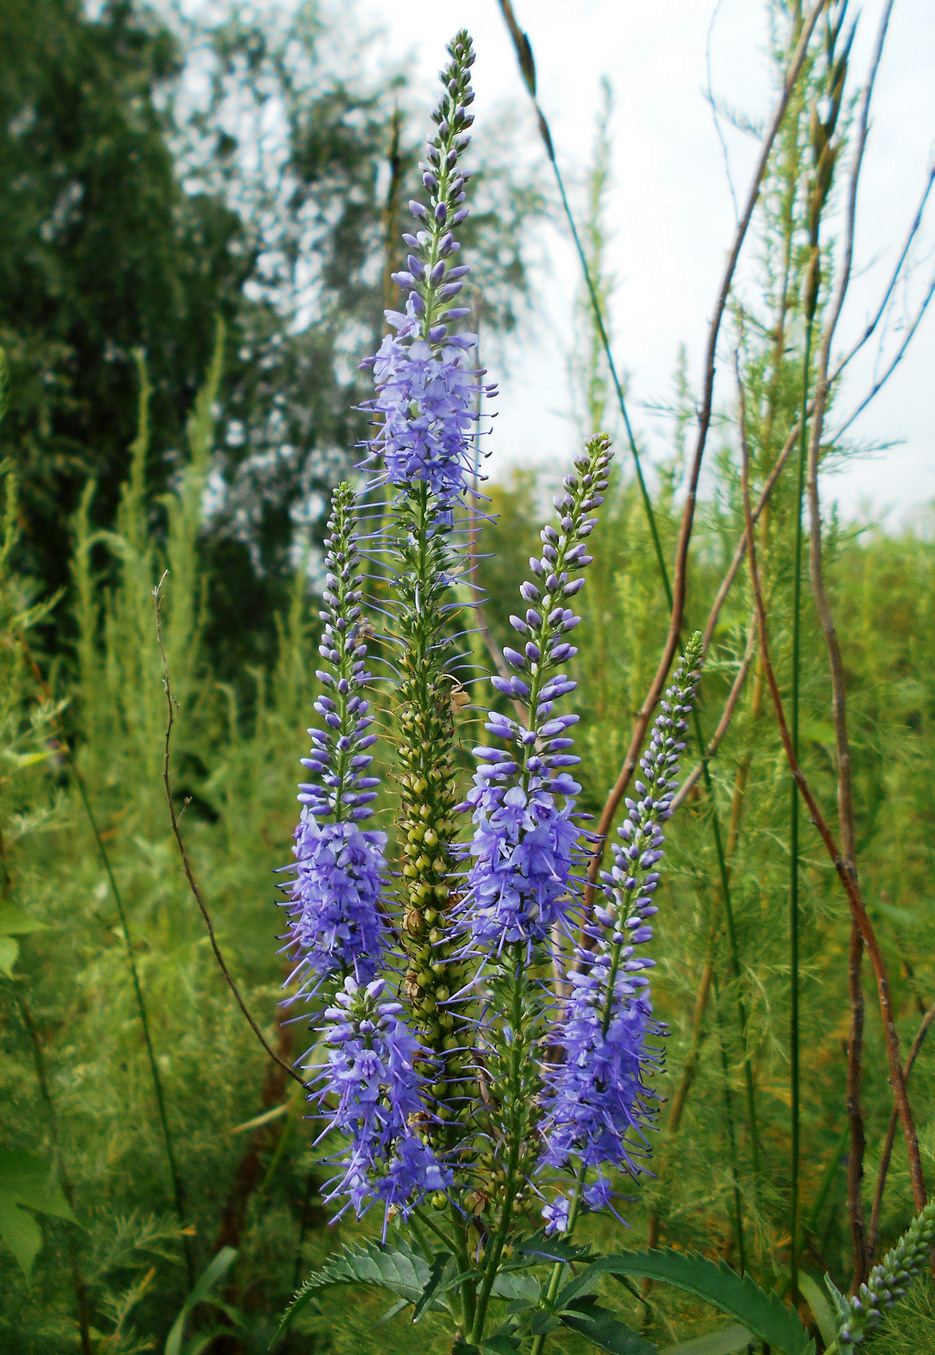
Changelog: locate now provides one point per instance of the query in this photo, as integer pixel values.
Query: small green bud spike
(889, 1280)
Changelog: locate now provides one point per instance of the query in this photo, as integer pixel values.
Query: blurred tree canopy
(156, 175)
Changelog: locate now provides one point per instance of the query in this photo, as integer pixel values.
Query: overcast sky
(671, 208)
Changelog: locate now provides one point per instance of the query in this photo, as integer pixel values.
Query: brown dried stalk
(723, 724)
(845, 789)
(183, 851)
(849, 882)
(679, 586)
(891, 1135)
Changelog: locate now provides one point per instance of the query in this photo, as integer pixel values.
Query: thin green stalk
(731, 1134)
(78, 1281)
(794, 1060)
(464, 1264)
(178, 1189)
(558, 1269)
(518, 1054)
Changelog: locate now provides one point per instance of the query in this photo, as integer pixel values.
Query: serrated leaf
(604, 1329)
(740, 1297)
(26, 1183)
(518, 1288)
(820, 1306)
(726, 1341)
(399, 1269)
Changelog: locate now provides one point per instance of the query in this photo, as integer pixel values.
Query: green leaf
(9, 954)
(391, 1312)
(725, 1341)
(26, 1183)
(441, 1265)
(765, 1315)
(542, 1248)
(399, 1269)
(216, 1269)
(15, 921)
(603, 1329)
(501, 1344)
(523, 1290)
(820, 1306)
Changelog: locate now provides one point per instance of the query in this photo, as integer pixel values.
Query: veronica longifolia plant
(484, 1044)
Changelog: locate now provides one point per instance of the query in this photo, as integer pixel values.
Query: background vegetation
(181, 313)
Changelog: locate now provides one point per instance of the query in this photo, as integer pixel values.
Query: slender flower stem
(519, 1128)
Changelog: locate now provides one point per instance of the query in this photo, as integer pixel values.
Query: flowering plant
(485, 1037)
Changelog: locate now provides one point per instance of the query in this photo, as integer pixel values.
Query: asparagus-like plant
(489, 1046)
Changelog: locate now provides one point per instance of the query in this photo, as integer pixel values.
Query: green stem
(729, 1124)
(519, 1127)
(605, 344)
(468, 1297)
(558, 1270)
(794, 1059)
(177, 1187)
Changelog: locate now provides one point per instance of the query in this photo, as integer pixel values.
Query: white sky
(671, 211)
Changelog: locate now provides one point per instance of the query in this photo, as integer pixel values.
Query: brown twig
(891, 1135)
(845, 789)
(679, 586)
(183, 852)
(851, 887)
(740, 552)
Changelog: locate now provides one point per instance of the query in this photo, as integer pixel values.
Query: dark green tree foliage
(100, 252)
(152, 180)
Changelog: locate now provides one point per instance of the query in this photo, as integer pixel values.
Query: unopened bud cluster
(889, 1280)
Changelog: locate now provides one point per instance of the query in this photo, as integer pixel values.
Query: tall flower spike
(888, 1281)
(334, 920)
(517, 886)
(596, 1093)
(426, 392)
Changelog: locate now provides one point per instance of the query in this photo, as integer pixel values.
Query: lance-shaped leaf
(765, 1315)
(604, 1329)
(724, 1341)
(398, 1269)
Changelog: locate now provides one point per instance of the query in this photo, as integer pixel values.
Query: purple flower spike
(371, 1092)
(426, 388)
(336, 926)
(525, 837)
(596, 1095)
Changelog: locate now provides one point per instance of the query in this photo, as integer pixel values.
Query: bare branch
(704, 422)
(891, 1135)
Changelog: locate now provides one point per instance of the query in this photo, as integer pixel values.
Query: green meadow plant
(512, 1056)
